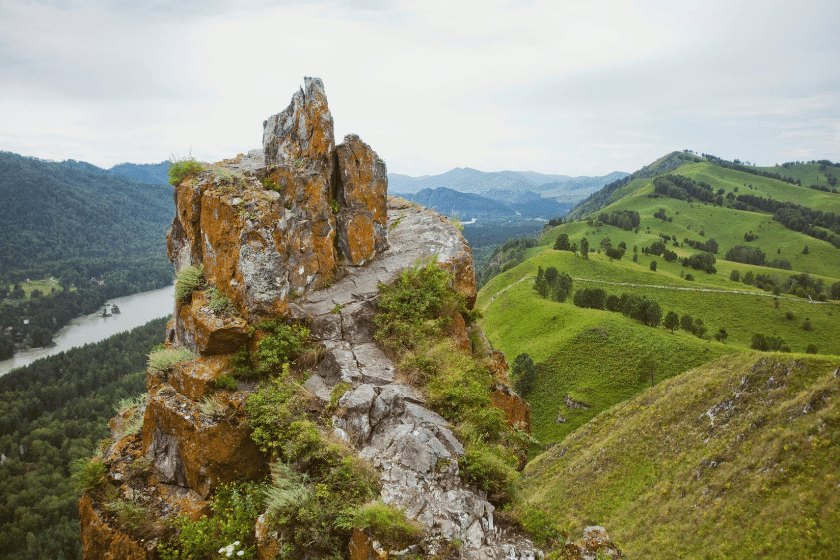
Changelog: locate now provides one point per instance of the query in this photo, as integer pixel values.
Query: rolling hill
(685, 442)
(602, 358)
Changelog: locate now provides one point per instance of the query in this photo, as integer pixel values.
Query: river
(135, 310)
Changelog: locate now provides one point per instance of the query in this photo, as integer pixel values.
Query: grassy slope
(644, 468)
(612, 369)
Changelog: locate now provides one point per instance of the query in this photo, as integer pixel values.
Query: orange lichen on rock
(195, 378)
(102, 541)
(362, 547)
(190, 449)
(213, 334)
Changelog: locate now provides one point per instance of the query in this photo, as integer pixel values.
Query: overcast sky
(576, 88)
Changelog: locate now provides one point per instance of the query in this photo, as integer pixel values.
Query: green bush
(89, 474)
(218, 302)
(387, 524)
(279, 424)
(281, 345)
(188, 279)
(162, 361)
(226, 381)
(417, 306)
(490, 467)
(180, 169)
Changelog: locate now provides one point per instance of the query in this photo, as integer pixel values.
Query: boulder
(211, 333)
(103, 541)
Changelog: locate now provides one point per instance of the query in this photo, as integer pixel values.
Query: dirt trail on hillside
(677, 288)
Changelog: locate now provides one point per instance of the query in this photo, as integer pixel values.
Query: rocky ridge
(301, 230)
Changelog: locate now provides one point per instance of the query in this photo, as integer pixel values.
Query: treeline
(53, 412)
(801, 285)
(753, 255)
(736, 165)
(795, 217)
(684, 188)
(624, 219)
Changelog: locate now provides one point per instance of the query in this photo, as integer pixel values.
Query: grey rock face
(412, 447)
(303, 129)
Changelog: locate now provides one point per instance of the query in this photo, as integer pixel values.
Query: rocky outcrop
(266, 228)
(303, 230)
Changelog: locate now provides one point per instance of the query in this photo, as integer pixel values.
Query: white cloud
(567, 87)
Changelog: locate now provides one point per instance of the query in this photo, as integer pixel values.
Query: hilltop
(601, 358)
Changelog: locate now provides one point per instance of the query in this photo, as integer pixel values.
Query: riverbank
(135, 310)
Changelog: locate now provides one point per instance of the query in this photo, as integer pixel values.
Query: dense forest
(54, 212)
(52, 413)
(99, 233)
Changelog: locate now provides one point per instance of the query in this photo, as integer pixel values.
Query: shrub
(218, 302)
(811, 349)
(281, 345)
(180, 169)
(89, 474)
(387, 524)
(490, 467)
(188, 279)
(226, 381)
(235, 508)
(734, 275)
(163, 360)
(806, 325)
(418, 305)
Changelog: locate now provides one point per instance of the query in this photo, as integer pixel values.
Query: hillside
(734, 459)
(56, 212)
(601, 358)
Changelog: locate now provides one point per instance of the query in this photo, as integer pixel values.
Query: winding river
(135, 310)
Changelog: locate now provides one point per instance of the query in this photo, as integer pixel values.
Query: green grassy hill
(734, 459)
(603, 358)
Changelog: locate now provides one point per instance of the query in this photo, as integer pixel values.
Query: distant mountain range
(470, 193)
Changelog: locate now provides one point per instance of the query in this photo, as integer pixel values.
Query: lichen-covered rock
(209, 332)
(102, 541)
(362, 547)
(190, 449)
(195, 378)
(595, 544)
(361, 190)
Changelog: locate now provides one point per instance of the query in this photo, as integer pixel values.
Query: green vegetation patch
(734, 459)
(181, 168)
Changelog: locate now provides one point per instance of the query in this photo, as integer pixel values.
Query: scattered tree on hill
(747, 255)
(562, 243)
(591, 298)
(768, 343)
(672, 321)
(653, 265)
(524, 373)
(553, 283)
(584, 248)
(805, 250)
(721, 335)
(734, 275)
